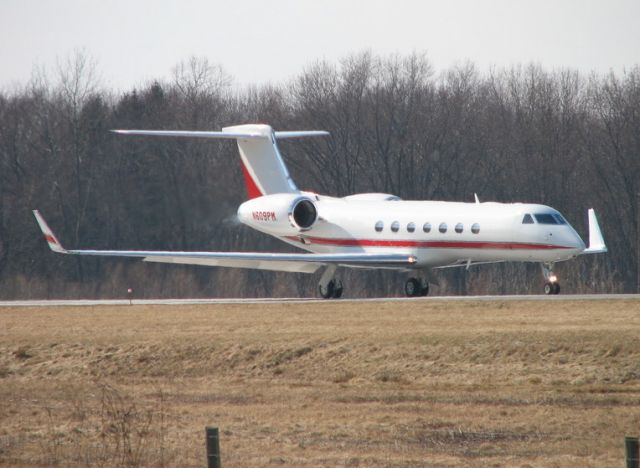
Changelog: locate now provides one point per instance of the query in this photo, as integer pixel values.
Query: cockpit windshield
(560, 219)
(549, 218)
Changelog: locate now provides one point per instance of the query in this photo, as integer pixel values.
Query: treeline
(520, 134)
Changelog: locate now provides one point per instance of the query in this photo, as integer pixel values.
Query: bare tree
(517, 134)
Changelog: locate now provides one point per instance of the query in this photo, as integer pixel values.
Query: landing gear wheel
(425, 289)
(326, 292)
(551, 285)
(333, 289)
(413, 287)
(337, 291)
(552, 288)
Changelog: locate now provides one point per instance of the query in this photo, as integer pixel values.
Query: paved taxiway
(289, 300)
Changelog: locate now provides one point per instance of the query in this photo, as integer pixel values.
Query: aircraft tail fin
(262, 165)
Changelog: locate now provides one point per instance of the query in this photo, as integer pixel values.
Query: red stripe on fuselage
(428, 244)
(252, 188)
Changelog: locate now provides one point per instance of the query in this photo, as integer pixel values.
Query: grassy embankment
(410, 383)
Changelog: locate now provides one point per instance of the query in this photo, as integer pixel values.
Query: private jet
(368, 230)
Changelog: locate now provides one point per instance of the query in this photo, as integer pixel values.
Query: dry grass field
(413, 383)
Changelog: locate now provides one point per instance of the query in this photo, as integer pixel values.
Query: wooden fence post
(213, 447)
(631, 452)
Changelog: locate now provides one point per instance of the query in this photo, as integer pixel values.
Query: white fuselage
(436, 233)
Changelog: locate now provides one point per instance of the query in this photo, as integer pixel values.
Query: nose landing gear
(551, 285)
(551, 288)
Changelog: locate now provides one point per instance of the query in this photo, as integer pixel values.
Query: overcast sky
(134, 41)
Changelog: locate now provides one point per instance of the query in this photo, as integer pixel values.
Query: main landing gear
(332, 290)
(551, 285)
(329, 287)
(415, 287)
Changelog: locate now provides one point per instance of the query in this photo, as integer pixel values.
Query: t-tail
(264, 170)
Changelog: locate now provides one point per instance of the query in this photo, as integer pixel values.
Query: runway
(297, 300)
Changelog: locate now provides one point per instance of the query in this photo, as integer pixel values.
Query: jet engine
(281, 213)
(303, 213)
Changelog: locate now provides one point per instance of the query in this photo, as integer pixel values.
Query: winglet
(52, 240)
(596, 241)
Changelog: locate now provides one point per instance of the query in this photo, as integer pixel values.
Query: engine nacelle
(281, 213)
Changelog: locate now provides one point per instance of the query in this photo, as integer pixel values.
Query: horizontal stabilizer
(263, 168)
(223, 134)
(192, 134)
(300, 134)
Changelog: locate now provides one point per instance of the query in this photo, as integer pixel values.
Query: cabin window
(546, 218)
(395, 226)
(527, 219)
(411, 227)
(426, 227)
(442, 228)
(379, 226)
(459, 228)
(475, 228)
